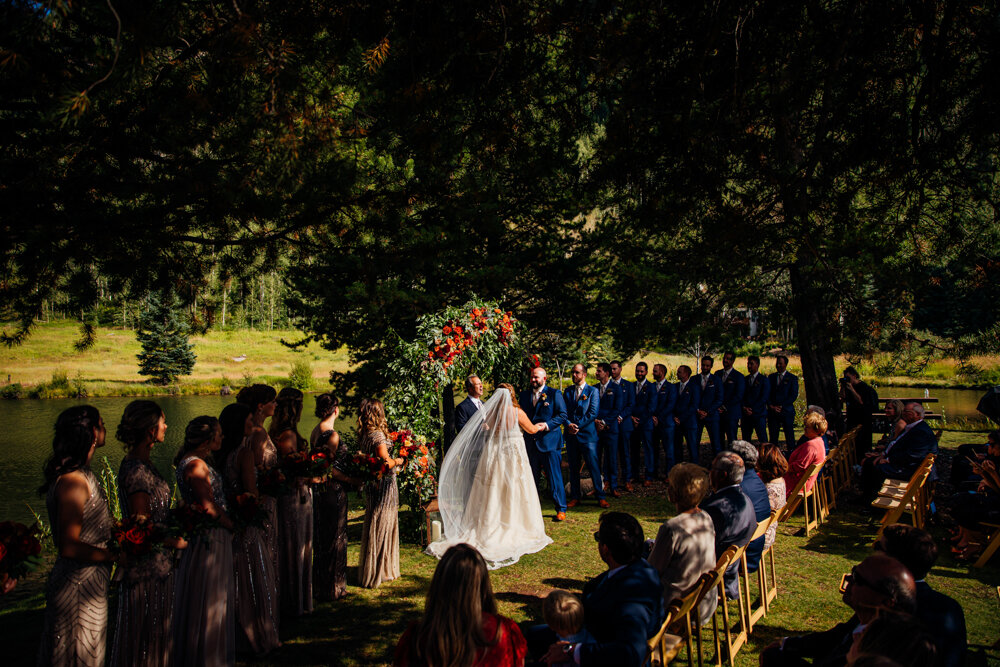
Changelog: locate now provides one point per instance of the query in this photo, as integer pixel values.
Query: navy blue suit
(686, 410)
(733, 516)
(621, 613)
(755, 396)
(783, 394)
(610, 407)
(733, 388)
(642, 436)
(710, 402)
(463, 413)
(756, 491)
(545, 448)
(625, 428)
(663, 433)
(583, 444)
(945, 620)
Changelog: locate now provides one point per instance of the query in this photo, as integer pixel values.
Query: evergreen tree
(166, 353)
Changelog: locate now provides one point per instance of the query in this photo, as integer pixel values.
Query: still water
(26, 441)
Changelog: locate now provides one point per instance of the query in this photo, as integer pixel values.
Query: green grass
(110, 367)
(363, 628)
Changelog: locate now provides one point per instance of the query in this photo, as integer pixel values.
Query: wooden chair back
(800, 495)
(734, 636)
(755, 614)
(913, 499)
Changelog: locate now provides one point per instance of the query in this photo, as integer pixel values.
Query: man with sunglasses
(877, 583)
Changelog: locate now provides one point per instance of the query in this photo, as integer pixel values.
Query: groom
(546, 408)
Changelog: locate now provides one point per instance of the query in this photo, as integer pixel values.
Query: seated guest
(460, 624)
(877, 583)
(900, 639)
(903, 455)
(973, 453)
(829, 437)
(731, 511)
(808, 453)
(756, 491)
(772, 466)
(894, 423)
(563, 613)
(970, 509)
(622, 607)
(685, 545)
(941, 615)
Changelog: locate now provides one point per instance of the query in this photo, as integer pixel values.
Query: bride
(486, 494)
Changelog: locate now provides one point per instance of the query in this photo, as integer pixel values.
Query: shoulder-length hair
(287, 414)
(372, 417)
(451, 632)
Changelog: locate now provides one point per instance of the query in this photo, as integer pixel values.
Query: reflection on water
(26, 441)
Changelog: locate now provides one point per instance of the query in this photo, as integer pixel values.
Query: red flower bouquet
(189, 522)
(137, 537)
(273, 482)
(247, 512)
(19, 550)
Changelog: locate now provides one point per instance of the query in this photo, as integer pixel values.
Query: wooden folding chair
(826, 496)
(665, 645)
(806, 498)
(768, 589)
(992, 543)
(911, 498)
(754, 615)
(735, 636)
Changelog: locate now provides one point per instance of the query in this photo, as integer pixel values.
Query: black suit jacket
(909, 450)
(828, 648)
(945, 620)
(734, 519)
(621, 613)
(463, 413)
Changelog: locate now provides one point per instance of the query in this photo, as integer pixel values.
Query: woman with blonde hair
(810, 452)
(460, 624)
(380, 535)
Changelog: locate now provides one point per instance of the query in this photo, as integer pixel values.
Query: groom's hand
(542, 426)
(573, 428)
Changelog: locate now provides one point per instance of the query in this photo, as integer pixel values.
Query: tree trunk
(814, 320)
(448, 413)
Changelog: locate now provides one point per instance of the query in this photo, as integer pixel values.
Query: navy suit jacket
(785, 394)
(628, 404)
(711, 396)
(582, 412)
(621, 613)
(909, 450)
(645, 404)
(463, 413)
(610, 406)
(756, 394)
(733, 389)
(945, 620)
(666, 401)
(686, 408)
(734, 519)
(828, 648)
(550, 409)
(756, 491)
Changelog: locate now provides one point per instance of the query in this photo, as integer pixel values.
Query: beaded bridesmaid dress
(330, 530)
(295, 538)
(76, 595)
(380, 535)
(204, 622)
(143, 633)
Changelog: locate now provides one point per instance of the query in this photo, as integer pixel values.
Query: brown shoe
(614, 493)
(607, 486)
(646, 482)
(573, 503)
(629, 487)
(604, 504)
(560, 516)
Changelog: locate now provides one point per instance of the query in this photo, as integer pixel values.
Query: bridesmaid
(261, 399)
(76, 595)
(204, 625)
(146, 599)
(256, 594)
(295, 511)
(329, 507)
(380, 536)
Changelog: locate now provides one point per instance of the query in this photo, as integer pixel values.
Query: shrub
(12, 391)
(301, 376)
(60, 380)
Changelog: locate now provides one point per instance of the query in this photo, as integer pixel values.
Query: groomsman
(608, 413)
(546, 408)
(472, 404)
(709, 404)
(625, 427)
(642, 421)
(582, 405)
(686, 411)
(733, 388)
(755, 402)
(663, 418)
(781, 403)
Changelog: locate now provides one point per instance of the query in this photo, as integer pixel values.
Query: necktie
(725, 376)
(534, 401)
(704, 381)
(638, 388)
(579, 390)
(604, 388)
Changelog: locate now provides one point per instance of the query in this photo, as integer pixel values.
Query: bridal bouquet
(363, 467)
(19, 550)
(305, 465)
(417, 476)
(138, 537)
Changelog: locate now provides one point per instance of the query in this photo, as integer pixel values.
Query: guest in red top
(460, 624)
(809, 452)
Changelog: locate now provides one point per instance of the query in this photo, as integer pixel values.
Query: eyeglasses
(854, 578)
(597, 536)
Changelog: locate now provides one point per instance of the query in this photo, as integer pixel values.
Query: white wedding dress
(486, 493)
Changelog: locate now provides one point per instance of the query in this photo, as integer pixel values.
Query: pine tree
(166, 353)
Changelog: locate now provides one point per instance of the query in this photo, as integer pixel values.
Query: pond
(26, 446)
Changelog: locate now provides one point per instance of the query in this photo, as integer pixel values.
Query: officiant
(473, 403)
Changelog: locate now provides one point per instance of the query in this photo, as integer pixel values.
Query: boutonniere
(583, 397)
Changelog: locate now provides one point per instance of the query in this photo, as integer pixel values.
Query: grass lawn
(363, 628)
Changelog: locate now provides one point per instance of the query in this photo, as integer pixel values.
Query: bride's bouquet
(417, 476)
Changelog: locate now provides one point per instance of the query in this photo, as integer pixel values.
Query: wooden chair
(843, 470)
(826, 494)
(897, 497)
(754, 615)
(664, 646)
(806, 498)
(768, 589)
(992, 543)
(734, 636)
